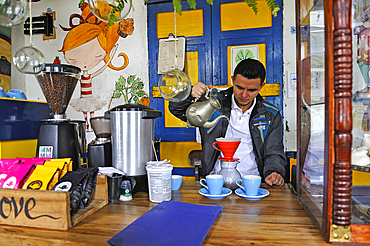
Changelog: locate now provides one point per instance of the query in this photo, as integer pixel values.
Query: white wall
(289, 59)
(136, 47)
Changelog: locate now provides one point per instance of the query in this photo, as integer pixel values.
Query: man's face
(245, 90)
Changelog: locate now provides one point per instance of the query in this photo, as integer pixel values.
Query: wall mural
(85, 46)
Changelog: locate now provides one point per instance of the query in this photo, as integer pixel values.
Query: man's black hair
(251, 69)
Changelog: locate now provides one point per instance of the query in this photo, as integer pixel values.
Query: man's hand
(199, 89)
(274, 179)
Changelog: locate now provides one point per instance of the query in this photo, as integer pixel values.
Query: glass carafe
(230, 173)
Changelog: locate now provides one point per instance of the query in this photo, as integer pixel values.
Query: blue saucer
(261, 193)
(224, 193)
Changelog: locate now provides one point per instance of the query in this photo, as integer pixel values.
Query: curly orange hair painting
(107, 37)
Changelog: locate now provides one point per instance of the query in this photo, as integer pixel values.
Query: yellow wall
(177, 152)
(18, 148)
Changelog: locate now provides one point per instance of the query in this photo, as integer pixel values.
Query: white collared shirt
(239, 128)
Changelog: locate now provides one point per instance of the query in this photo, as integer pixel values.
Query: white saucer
(261, 193)
(224, 193)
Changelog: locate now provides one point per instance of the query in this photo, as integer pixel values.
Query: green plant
(273, 6)
(116, 8)
(131, 89)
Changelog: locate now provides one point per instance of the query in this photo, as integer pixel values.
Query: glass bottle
(125, 191)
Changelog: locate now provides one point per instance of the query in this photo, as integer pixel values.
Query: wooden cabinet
(332, 113)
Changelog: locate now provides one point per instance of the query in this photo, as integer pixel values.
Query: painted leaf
(140, 85)
(130, 79)
(119, 86)
(136, 99)
(243, 54)
(140, 93)
(133, 92)
(116, 94)
(122, 81)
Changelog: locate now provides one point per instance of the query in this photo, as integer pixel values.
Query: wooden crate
(47, 209)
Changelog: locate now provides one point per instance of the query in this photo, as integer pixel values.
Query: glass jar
(230, 173)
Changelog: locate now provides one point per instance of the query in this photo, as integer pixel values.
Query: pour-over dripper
(101, 126)
(228, 147)
(58, 82)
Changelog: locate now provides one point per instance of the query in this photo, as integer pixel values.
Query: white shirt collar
(235, 106)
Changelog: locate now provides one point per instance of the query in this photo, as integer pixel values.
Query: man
(256, 121)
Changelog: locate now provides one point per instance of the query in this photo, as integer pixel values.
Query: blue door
(215, 36)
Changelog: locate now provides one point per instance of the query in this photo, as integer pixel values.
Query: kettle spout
(211, 124)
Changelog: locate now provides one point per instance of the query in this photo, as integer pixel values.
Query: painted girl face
(86, 56)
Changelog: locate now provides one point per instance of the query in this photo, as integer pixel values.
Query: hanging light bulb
(13, 12)
(110, 10)
(29, 59)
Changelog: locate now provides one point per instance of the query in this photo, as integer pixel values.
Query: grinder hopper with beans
(58, 137)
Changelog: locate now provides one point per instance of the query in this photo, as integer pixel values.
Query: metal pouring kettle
(199, 113)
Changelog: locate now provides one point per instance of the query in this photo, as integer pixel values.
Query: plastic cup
(251, 184)
(114, 183)
(159, 181)
(215, 182)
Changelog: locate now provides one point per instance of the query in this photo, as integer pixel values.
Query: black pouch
(89, 188)
(73, 182)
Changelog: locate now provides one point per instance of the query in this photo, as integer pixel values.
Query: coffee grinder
(58, 137)
(99, 153)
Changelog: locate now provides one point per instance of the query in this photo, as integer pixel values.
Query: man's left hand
(274, 179)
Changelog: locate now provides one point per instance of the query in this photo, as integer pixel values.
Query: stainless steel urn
(132, 136)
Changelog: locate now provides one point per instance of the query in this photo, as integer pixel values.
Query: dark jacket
(265, 128)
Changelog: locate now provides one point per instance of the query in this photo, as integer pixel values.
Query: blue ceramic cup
(17, 94)
(214, 182)
(2, 93)
(251, 184)
(176, 182)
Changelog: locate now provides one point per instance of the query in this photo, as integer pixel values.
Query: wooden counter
(277, 219)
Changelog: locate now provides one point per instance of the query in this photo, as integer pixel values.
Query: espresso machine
(99, 152)
(58, 137)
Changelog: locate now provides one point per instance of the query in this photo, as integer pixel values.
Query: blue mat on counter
(169, 223)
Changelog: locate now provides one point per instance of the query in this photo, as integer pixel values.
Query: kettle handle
(208, 91)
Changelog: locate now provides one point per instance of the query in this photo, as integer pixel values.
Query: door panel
(227, 25)
(197, 32)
